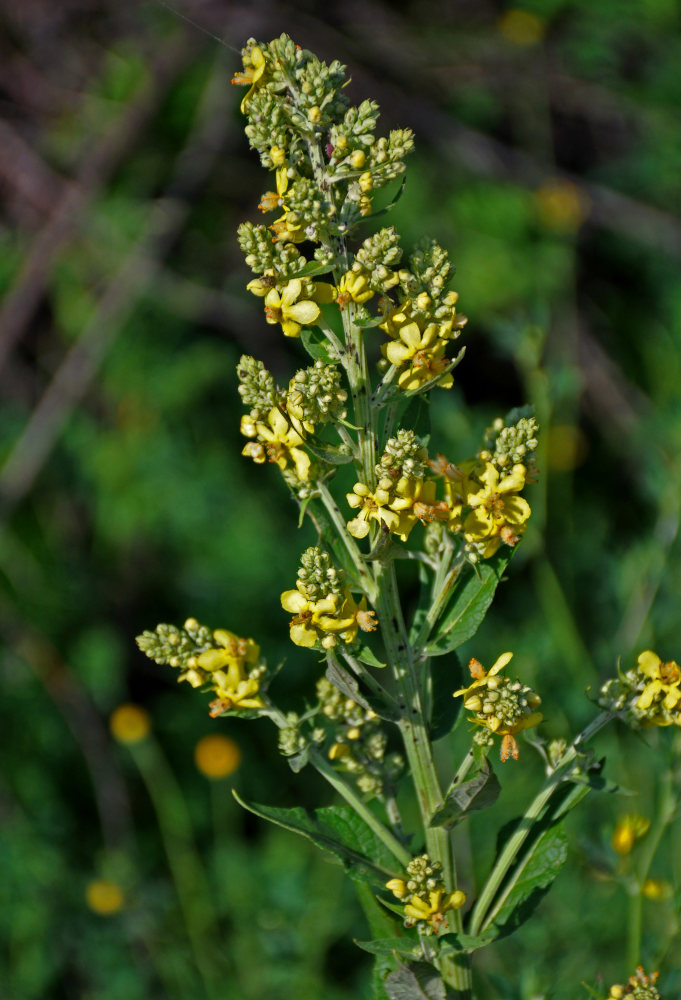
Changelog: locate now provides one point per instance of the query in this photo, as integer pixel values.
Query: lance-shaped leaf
(407, 947)
(478, 792)
(473, 593)
(529, 881)
(317, 345)
(337, 830)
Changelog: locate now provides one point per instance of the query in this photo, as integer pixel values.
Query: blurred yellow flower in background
(629, 829)
(130, 723)
(521, 28)
(561, 205)
(217, 756)
(104, 897)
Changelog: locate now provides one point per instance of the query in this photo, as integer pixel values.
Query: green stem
(414, 733)
(665, 813)
(398, 850)
(333, 510)
(189, 876)
(442, 591)
(482, 911)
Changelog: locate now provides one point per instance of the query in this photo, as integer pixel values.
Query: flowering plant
(381, 333)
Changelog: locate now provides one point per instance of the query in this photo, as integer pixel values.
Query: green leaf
(409, 947)
(530, 880)
(327, 453)
(338, 830)
(389, 207)
(478, 792)
(419, 981)
(298, 761)
(445, 678)
(367, 655)
(381, 925)
(317, 346)
(464, 614)
(345, 682)
(456, 944)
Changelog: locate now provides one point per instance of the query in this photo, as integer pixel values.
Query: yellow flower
(629, 829)
(664, 678)
(521, 28)
(497, 515)
(253, 75)
(481, 678)
(415, 500)
(104, 897)
(227, 669)
(433, 910)
(421, 355)
(561, 205)
(353, 287)
(217, 756)
(130, 723)
(372, 506)
(288, 309)
(656, 890)
(329, 619)
(277, 441)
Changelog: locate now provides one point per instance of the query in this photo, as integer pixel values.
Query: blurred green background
(549, 163)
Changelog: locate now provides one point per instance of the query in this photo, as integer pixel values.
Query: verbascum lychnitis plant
(383, 330)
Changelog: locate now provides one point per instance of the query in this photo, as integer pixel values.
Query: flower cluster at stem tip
(426, 901)
(324, 611)
(217, 661)
(500, 706)
(640, 986)
(647, 695)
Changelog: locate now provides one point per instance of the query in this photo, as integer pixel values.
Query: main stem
(389, 610)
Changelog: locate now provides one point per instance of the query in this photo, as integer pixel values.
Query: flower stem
(398, 850)
(364, 574)
(483, 911)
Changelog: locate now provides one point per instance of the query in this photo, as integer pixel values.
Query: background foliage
(549, 163)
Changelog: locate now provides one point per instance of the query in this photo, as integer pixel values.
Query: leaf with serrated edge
(338, 830)
(472, 597)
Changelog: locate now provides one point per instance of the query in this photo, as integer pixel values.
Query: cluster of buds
(500, 706)
(315, 396)
(358, 741)
(639, 987)
(510, 442)
(426, 901)
(647, 695)
(218, 661)
(377, 259)
(324, 610)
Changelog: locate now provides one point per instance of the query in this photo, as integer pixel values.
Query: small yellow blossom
(130, 723)
(433, 910)
(253, 75)
(227, 666)
(277, 441)
(372, 507)
(664, 678)
(497, 514)
(327, 620)
(217, 756)
(353, 287)
(104, 897)
(289, 310)
(628, 830)
(416, 500)
(481, 678)
(421, 355)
